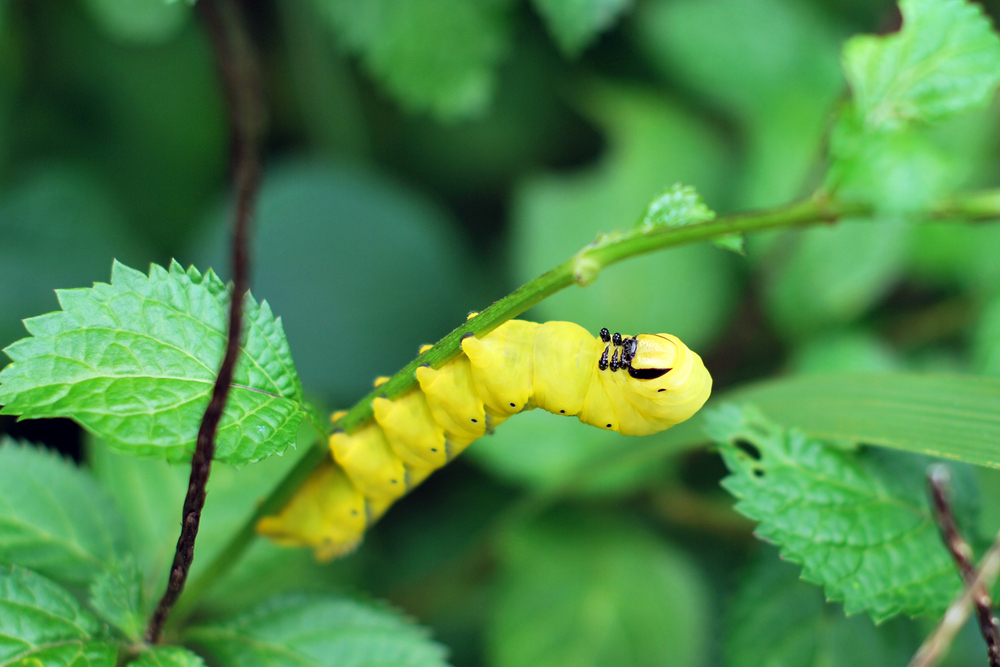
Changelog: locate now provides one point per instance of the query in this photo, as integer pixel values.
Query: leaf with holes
(42, 624)
(856, 521)
(54, 517)
(134, 362)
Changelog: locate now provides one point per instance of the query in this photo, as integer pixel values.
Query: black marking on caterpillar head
(605, 335)
(629, 347)
(609, 425)
(648, 373)
(513, 405)
(615, 360)
(603, 363)
(466, 335)
(562, 412)
(616, 339)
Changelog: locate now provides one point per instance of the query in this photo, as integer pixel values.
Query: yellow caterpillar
(636, 386)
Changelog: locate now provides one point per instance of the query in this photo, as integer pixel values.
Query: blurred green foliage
(426, 157)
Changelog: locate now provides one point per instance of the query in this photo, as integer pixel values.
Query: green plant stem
(595, 257)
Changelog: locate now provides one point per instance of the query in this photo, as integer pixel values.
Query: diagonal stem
(934, 647)
(939, 479)
(240, 76)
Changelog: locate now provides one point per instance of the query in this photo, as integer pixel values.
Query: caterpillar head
(668, 382)
(650, 356)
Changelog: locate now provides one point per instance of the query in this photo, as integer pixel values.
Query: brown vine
(239, 74)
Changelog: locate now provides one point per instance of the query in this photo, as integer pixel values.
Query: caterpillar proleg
(635, 385)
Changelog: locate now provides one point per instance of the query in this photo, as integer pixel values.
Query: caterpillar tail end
(327, 514)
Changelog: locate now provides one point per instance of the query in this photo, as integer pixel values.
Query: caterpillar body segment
(598, 409)
(454, 403)
(562, 375)
(502, 363)
(411, 430)
(635, 385)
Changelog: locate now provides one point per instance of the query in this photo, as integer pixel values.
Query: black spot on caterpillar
(556, 366)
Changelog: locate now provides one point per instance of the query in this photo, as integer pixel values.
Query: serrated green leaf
(301, 631)
(576, 23)
(677, 206)
(432, 55)
(116, 595)
(167, 656)
(778, 619)
(681, 205)
(42, 625)
(54, 518)
(944, 60)
(857, 522)
(580, 590)
(134, 362)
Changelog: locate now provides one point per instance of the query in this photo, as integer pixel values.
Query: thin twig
(937, 643)
(977, 584)
(239, 73)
